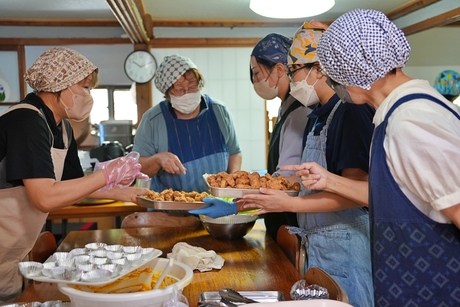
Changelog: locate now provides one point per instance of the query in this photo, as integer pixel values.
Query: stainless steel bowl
(228, 227)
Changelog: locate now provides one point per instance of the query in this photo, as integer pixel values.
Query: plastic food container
(179, 271)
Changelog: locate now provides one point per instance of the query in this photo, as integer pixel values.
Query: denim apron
(416, 261)
(337, 242)
(199, 145)
(21, 222)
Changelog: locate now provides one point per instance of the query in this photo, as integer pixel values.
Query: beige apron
(21, 222)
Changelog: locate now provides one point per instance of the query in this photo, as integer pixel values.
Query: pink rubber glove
(121, 171)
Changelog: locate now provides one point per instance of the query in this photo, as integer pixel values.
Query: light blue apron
(200, 146)
(337, 242)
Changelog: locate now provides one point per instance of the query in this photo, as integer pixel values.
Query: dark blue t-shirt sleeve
(356, 137)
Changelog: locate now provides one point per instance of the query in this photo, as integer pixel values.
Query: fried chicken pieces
(246, 180)
(179, 196)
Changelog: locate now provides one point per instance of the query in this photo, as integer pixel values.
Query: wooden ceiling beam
(202, 42)
(130, 20)
(433, 22)
(227, 23)
(409, 7)
(59, 22)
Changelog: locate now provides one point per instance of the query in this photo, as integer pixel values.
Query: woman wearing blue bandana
(268, 73)
(186, 135)
(414, 188)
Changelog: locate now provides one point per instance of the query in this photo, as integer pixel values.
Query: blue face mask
(340, 89)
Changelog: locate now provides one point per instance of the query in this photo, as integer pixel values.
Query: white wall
(226, 74)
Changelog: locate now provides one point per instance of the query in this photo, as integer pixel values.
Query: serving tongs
(231, 295)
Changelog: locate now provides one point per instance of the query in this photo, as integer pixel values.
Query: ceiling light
(290, 8)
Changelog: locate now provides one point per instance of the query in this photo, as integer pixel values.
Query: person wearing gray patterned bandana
(186, 135)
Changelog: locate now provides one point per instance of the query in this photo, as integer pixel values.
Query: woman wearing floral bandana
(334, 229)
(39, 166)
(186, 135)
(413, 192)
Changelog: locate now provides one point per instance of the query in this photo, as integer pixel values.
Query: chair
(322, 278)
(44, 247)
(292, 248)
(159, 219)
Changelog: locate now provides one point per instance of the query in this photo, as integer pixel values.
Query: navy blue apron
(416, 261)
(199, 145)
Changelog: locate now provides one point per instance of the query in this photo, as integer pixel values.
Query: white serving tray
(127, 269)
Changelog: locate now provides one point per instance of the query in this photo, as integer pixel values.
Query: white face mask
(82, 104)
(186, 103)
(264, 90)
(304, 92)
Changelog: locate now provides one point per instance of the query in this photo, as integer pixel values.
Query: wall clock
(140, 66)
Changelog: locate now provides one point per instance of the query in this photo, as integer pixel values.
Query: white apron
(21, 222)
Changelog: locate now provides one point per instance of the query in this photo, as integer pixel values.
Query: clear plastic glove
(217, 208)
(121, 172)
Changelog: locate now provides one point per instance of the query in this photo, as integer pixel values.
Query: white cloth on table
(197, 258)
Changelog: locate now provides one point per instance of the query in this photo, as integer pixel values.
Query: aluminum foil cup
(81, 259)
(115, 255)
(132, 249)
(301, 291)
(98, 260)
(114, 248)
(99, 253)
(95, 245)
(76, 252)
(30, 268)
(48, 267)
(66, 273)
(96, 275)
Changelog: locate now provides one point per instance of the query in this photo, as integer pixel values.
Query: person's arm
(314, 177)
(47, 194)
(453, 213)
(121, 194)
(234, 163)
(325, 201)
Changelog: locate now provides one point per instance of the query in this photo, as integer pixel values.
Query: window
(113, 103)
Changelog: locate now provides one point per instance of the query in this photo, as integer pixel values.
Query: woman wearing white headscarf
(39, 166)
(414, 188)
(186, 135)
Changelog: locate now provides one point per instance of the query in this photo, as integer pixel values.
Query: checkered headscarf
(273, 48)
(361, 47)
(170, 70)
(57, 69)
(305, 43)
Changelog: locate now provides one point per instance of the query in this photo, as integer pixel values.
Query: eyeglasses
(181, 92)
(291, 73)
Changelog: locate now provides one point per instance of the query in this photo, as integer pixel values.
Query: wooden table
(115, 209)
(254, 263)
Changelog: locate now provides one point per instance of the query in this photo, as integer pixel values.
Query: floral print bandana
(305, 43)
(57, 69)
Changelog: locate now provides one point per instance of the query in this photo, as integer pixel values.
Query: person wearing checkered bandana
(186, 135)
(414, 187)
